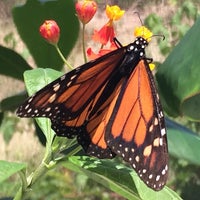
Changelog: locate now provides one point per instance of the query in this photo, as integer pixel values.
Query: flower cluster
(106, 34)
(85, 11)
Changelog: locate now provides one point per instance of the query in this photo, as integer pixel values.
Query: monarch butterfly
(111, 105)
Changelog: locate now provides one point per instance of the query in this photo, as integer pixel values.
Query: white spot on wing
(126, 149)
(163, 131)
(56, 87)
(144, 171)
(29, 110)
(62, 77)
(156, 121)
(73, 77)
(137, 158)
(157, 177)
(26, 107)
(150, 176)
(52, 98)
(30, 99)
(161, 141)
(48, 109)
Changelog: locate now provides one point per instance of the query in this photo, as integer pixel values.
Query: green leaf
(178, 77)
(38, 78)
(12, 64)
(117, 178)
(7, 169)
(8, 126)
(30, 16)
(183, 143)
(35, 80)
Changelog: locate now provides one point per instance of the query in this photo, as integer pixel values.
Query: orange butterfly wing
(136, 129)
(68, 100)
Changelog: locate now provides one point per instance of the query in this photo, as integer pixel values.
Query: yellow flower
(151, 66)
(114, 12)
(144, 32)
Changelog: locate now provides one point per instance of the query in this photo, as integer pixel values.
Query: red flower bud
(50, 31)
(85, 10)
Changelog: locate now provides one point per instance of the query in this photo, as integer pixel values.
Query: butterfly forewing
(68, 100)
(137, 130)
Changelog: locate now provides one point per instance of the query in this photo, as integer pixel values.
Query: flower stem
(50, 160)
(35, 176)
(83, 43)
(62, 57)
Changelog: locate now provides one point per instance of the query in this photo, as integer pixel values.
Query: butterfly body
(112, 107)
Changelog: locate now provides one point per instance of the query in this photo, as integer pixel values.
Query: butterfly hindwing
(95, 127)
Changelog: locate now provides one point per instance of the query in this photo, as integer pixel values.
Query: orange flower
(50, 31)
(91, 55)
(85, 10)
(107, 33)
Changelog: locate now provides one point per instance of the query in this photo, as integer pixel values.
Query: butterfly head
(138, 47)
(143, 37)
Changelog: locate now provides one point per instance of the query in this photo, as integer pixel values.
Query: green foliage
(7, 169)
(180, 141)
(30, 16)
(8, 127)
(42, 77)
(12, 64)
(28, 19)
(176, 27)
(10, 41)
(157, 26)
(117, 177)
(178, 77)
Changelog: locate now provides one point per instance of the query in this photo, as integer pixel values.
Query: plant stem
(35, 176)
(19, 194)
(74, 151)
(47, 163)
(62, 57)
(83, 44)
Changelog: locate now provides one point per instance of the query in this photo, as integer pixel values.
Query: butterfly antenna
(138, 14)
(158, 35)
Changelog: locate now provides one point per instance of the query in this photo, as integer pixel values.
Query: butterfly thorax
(134, 53)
